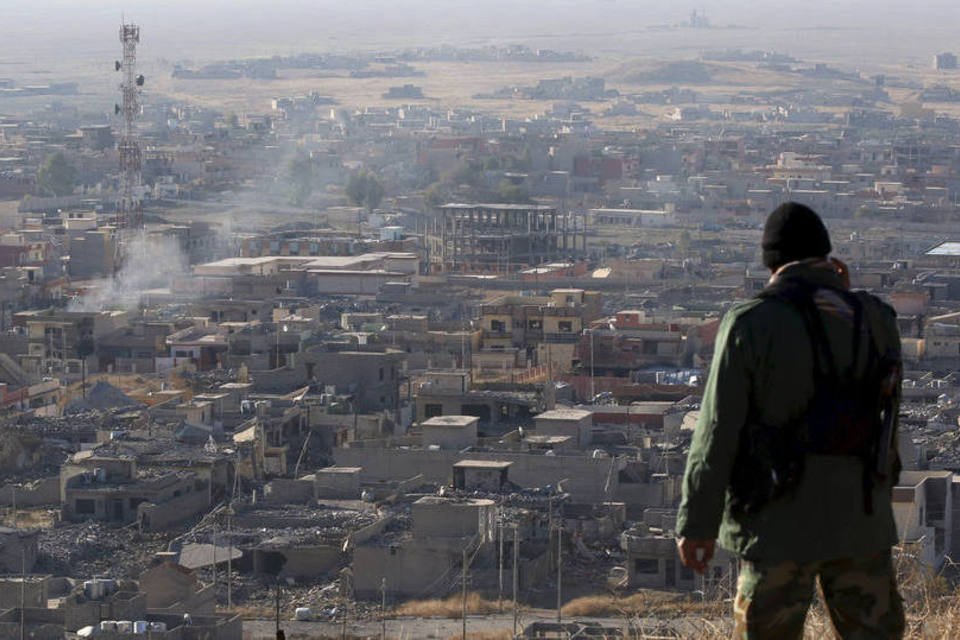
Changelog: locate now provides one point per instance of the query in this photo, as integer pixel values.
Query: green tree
(512, 193)
(56, 177)
(468, 173)
(365, 190)
(436, 194)
(301, 177)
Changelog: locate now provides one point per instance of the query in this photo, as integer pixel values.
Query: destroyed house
(451, 393)
(61, 339)
(923, 504)
(114, 489)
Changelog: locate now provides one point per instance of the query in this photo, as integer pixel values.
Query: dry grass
(932, 609)
(643, 602)
(253, 612)
(447, 608)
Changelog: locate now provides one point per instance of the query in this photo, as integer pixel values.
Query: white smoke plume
(149, 261)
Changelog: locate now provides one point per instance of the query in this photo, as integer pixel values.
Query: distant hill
(679, 72)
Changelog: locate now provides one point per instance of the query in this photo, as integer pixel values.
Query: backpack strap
(801, 296)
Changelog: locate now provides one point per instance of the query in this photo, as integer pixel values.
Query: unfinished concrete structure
(500, 238)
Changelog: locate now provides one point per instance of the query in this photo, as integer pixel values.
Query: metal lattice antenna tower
(128, 148)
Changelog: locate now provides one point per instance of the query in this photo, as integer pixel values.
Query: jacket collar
(816, 271)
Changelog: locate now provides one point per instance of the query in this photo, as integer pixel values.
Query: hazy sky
(38, 30)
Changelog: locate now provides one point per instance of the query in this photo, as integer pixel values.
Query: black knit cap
(793, 232)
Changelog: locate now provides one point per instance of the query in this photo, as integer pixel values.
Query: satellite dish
(116, 108)
(116, 65)
(140, 80)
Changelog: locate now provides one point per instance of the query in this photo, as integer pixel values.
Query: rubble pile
(79, 425)
(103, 396)
(300, 525)
(25, 457)
(321, 596)
(94, 549)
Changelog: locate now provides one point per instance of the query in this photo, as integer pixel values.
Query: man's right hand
(696, 554)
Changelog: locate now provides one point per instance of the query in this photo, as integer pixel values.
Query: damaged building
(500, 238)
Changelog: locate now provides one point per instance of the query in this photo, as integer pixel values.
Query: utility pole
(463, 597)
(23, 592)
(215, 583)
(383, 609)
(229, 560)
(516, 573)
(559, 570)
(277, 601)
(500, 562)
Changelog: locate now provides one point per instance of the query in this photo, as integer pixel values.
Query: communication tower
(128, 208)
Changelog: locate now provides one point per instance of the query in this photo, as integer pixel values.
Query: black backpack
(849, 413)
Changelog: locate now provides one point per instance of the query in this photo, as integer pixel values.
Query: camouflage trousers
(860, 595)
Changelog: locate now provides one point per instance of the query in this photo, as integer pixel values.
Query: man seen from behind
(793, 459)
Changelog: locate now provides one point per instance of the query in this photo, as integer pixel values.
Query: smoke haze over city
(404, 319)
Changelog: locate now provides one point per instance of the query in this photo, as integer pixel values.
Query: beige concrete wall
(288, 491)
(449, 437)
(38, 493)
(35, 593)
(337, 485)
(447, 519)
(411, 571)
(161, 516)
(586, 478)
(310, 562)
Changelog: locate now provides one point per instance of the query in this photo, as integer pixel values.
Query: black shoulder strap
(800, 296)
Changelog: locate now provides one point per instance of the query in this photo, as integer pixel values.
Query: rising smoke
(150, 261)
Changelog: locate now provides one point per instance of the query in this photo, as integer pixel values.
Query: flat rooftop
(482, 464)
(950, 248)
(563, 414)
(498, 207)
(450, 421)
(540, 439)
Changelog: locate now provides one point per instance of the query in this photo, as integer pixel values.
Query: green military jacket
(762, 370)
